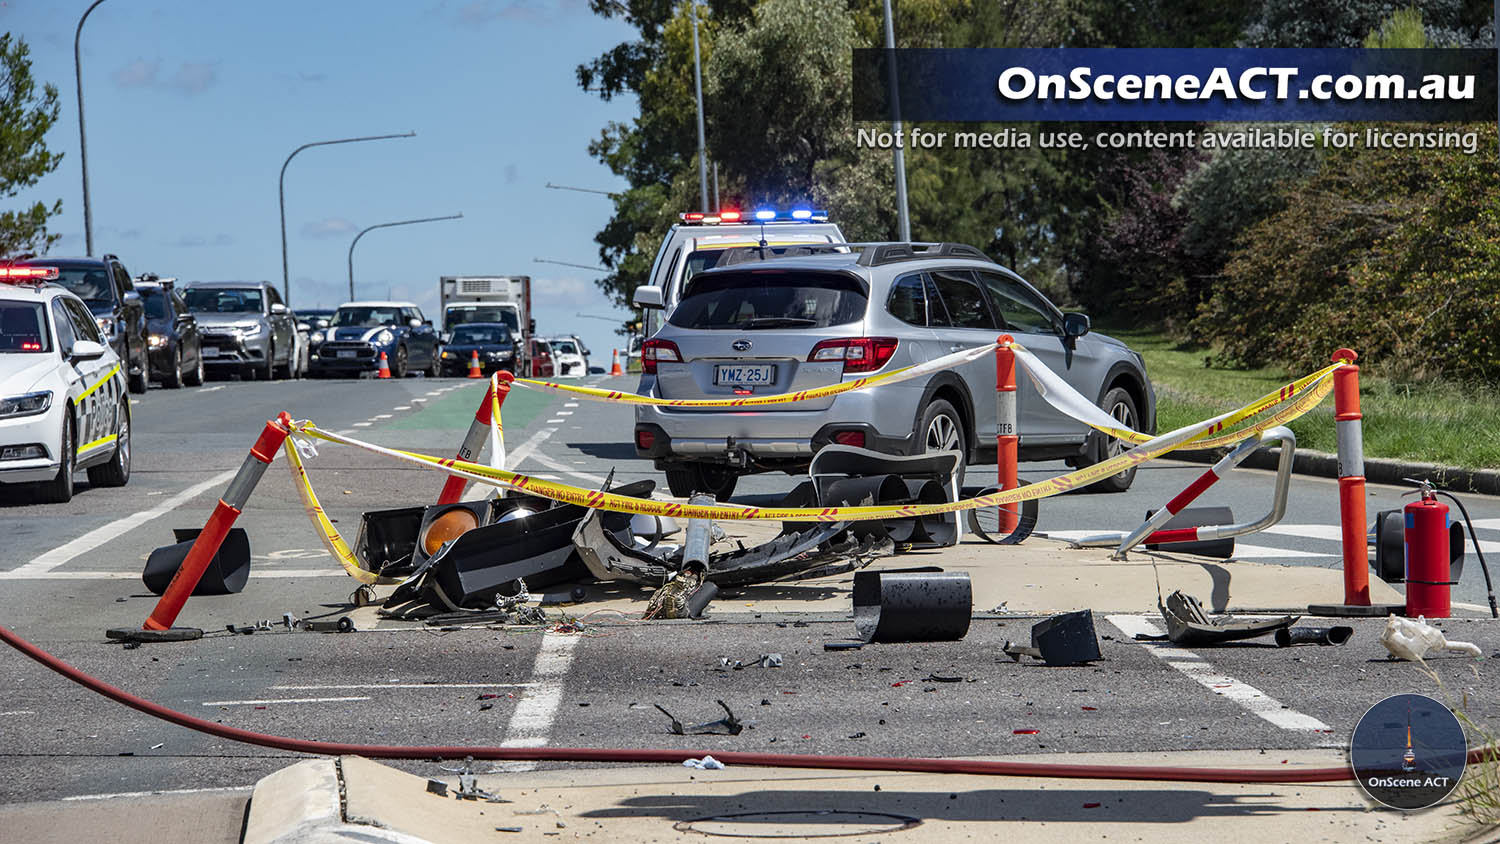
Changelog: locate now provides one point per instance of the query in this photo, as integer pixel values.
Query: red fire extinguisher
(1428, 557)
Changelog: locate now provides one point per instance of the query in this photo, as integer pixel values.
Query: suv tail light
(859, 354)
(854, 438)
(658, 351)
(644, 440)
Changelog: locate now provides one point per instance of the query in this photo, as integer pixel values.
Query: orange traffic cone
(385, 367)
(615, 369)
(474, 371)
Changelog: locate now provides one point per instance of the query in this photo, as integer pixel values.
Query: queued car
(568, 357)
(541, 360)
(246, 328)
(63, 392)
(173, 342)
(493, 342)
(314, 318)
(795, 323)
(105, 286)
(361, 331)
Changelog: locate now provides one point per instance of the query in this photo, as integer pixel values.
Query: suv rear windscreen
(747, 301)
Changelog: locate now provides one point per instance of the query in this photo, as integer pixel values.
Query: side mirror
(1075, 325)
(445, 338)
(648, 296)
(85, 350)
(278, 308)
(320, 323)
(132, 298)
(302, 326)
(414, 322)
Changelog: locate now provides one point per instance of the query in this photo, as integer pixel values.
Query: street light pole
(698, 83)
(386, 226)
(286, 288)
(570, 264)
(890, 54)
(83, 146)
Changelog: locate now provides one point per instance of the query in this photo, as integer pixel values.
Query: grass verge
(1429, 422)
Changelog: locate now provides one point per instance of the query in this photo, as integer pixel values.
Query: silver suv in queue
(794, 323)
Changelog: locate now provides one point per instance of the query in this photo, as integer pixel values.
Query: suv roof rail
(747, 254)
(109, 256)
(880, 254)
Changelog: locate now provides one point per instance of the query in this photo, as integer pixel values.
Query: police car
(63, 402)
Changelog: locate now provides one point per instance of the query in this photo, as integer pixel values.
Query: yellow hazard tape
(326, 531)
(1154, 448)
(893, 377)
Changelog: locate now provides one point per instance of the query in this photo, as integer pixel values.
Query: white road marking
(531, 721)
(128, 794)
(559, 466)
(204, 390)
(564, 413)
(571, 404)
(269, 701)
(1330, 532)
(105, 533)
(526, 448)
(1201, 671)
(18, 712)
(1243, 551)
(363, 424)
(337, 686)
(550, 421)
(1485, 524)
(434, 393)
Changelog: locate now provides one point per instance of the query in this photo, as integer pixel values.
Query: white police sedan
(63, 402)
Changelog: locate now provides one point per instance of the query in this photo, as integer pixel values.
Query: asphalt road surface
(68, 572)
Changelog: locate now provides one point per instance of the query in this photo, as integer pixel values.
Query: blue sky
(192, 106)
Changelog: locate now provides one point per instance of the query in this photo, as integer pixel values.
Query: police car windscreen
(765, 300)
(22, 328)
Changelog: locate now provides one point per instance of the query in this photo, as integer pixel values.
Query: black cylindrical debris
(1288, 636)
(699, 600)
(912, 605)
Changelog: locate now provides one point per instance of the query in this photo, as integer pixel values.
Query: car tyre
(267, 370)
(173, 377)
(59, 490)
(117, 471)
(716, 479)
(435, 368)
(194, 377)
(942, 429)
(139, 381)
(288, 371)
(398, 363)
(1118, 403)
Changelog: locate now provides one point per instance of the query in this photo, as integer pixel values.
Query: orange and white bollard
(218, 524)
(614, 368)
(453, 488)
(1007, 437)
(474, 370)
(385, 367)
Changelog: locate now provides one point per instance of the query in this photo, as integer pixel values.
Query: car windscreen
(759, 300)
(364, 317)
(23, 328)
(91, 285)
(155, 301)
(564, 347)
(222, 300)
(480, 335)
(482, 313)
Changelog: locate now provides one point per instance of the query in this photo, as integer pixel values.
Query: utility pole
(902, 217)
(83, 144)
(353, 243)
(698, 83)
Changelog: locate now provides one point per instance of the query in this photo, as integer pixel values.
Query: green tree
(25, 117)
(1402, 30)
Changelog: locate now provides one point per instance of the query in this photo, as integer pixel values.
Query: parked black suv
(105, 286)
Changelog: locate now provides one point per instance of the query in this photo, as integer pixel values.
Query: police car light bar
(762, 215)
(28, 273)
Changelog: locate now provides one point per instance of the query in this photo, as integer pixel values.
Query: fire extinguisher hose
(674, 756)
(1489, 586)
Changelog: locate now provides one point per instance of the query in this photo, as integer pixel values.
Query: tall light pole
(890, 54)
(83, 145)
(570, 264)
(698, 83)
(386, 226)
(551, 186)
(286, 288)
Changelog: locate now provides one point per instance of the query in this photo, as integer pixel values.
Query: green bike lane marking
(455, 410)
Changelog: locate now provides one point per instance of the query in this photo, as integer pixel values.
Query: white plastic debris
(707, 763)
(1412, 640)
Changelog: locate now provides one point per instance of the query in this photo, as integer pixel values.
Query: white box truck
(491, 298)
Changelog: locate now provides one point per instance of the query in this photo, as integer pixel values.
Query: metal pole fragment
(217, 527)
(1007, 438)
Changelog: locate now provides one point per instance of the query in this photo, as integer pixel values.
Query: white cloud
(137, 74)
(329, 227)
(189, 78)
(191, 241)
(194, 77)
(565, 292)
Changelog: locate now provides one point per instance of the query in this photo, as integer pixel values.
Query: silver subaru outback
(754, 327)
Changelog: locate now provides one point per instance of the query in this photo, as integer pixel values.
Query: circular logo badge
(1408, 752)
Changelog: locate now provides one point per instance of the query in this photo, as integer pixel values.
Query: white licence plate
(744, 375)
(348, 353)
(210, 351)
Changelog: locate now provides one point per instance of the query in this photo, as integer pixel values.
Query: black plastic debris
(729, 725)
(1067, 639)
(912, 605)
(226, 573)
(1187, 624)
(1288, 636)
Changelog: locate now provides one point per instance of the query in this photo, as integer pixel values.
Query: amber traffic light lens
(446, 528)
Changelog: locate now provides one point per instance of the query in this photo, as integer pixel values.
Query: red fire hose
(732, 757)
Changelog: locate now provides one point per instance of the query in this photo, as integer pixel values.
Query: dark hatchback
(172, 337)
(106, 287)
(493, 342)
